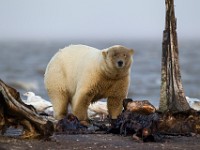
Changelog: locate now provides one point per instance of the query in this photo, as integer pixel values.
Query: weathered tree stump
(13, 112)
(180, 123)
(172, 95)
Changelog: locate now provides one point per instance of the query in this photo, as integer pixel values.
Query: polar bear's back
(75, 57)
(68, 64)
(79, 51)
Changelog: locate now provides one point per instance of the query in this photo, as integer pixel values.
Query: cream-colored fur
(79, 75)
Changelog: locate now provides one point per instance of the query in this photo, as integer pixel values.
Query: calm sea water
(22, 65)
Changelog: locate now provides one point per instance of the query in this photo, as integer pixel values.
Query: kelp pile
(141, 120)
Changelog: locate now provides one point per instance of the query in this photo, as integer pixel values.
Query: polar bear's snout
(120, 63)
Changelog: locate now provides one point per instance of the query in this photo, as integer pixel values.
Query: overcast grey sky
(43, 19)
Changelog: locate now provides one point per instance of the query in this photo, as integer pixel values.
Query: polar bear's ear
(104, 53)
(131, 51)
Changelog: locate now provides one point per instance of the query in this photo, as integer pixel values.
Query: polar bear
(80, 75)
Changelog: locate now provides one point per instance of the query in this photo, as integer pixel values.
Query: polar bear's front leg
(60, 102)
(114, 107)
(80, 104)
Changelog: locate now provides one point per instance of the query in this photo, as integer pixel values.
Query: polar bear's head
(118, 57)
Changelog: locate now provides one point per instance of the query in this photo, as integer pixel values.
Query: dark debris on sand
(131, 130)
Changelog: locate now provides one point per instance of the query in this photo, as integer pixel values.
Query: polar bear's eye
(124, 55)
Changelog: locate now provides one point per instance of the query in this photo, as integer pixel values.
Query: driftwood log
(13, 112)
(172, 95)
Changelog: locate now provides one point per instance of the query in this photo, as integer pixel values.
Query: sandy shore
(98, 141)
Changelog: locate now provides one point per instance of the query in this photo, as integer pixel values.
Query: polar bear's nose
(120, 63)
